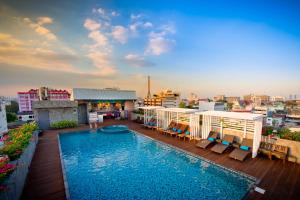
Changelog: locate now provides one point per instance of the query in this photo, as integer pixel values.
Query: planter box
(15, 182)
(294, 149)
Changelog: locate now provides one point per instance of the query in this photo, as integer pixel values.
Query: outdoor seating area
(239, 134)
(270, 150)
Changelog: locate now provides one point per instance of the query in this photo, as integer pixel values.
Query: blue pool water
(131, 166)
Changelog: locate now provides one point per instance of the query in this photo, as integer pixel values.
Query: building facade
(3, 121)
(232, 99)
(166, 98)
(46, 93)
(26, 99)
(48, 112)
(278, 99)
(219, 98)
(258, 100)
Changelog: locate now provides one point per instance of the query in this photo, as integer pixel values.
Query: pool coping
(244, 175)
(67, 192)
(202, 158)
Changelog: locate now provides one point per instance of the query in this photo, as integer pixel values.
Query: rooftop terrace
(45, 179)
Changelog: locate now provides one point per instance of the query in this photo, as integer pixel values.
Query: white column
(221, 127)
(256, 136)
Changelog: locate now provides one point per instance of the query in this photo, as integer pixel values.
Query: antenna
(149, 94)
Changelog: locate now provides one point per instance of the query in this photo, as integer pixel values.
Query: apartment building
(258, 100)
(25, 99)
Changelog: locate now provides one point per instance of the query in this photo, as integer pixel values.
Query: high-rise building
(25, 99)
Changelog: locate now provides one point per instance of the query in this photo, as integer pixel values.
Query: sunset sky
(209, 48)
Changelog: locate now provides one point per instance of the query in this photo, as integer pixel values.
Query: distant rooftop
(103, 94)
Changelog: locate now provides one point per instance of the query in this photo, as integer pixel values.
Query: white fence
(16, 180)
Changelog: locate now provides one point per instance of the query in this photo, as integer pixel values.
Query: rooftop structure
(241, 125)
(103, 101)
(103, 94)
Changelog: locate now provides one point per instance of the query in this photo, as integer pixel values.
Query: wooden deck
(45, 179)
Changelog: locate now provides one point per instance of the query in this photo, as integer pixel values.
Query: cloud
(39, 28)
(159, 45)
(99, 38)
(16, 52)
(91, 25)
(115, 13)
(44, 20)
(158, 42)
(135, 17)
(148, 25)
(103, 13)
(120, 34)
(102, 62)
(137, 61)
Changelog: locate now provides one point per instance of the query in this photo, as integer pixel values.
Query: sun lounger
(180, 130)
(211, 139)
(184, 134)
(225, 144)
(243, 150)
(170, 127)
(150, 124)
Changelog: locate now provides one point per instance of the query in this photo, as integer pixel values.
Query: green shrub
(285, 133)
(17, 140)
(63, 124)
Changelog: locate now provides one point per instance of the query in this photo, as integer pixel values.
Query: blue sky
(209, 48)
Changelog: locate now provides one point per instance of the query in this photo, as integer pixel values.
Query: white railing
(15, 182)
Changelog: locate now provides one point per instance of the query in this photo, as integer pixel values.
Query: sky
(205, 47)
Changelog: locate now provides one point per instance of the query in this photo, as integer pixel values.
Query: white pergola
(150, 112)
(248, 125)
(178, 115)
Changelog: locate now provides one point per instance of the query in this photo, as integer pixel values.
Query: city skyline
(204, 48)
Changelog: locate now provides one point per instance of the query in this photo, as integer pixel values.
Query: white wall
(3, 121)
(26, 118)
(207, 106)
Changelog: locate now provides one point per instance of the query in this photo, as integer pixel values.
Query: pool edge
(202, 158)
(63, 170)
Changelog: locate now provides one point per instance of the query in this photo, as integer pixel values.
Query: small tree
(11, 117)
(13, 107)
(182, 105)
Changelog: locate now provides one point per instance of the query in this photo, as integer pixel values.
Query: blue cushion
(174, 129)
(225, 142)
(245, 148)
(187, 132)
(211, 139)
(179, 131)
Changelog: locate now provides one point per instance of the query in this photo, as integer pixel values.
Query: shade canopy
(232, 115)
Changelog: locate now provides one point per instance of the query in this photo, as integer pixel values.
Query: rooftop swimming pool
(127, 165)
